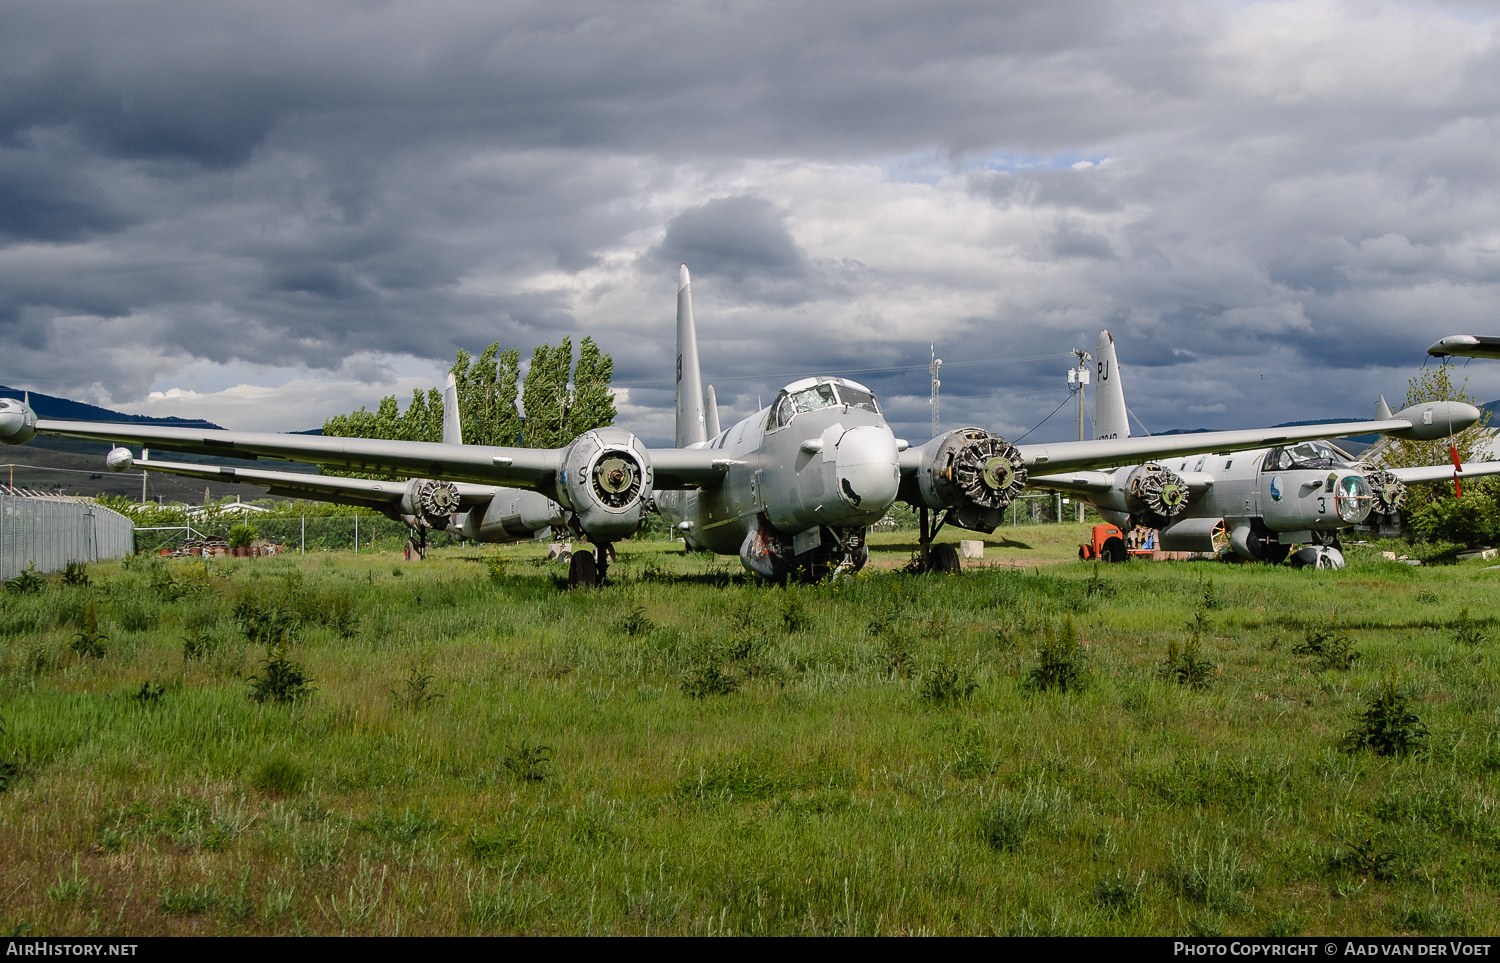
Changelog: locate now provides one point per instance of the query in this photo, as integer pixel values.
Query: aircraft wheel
(581, 571)
(1114, 551)
(945, 559)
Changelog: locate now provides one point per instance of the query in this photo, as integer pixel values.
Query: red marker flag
(1457, 492)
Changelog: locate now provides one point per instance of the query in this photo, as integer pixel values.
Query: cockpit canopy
(1312, 455)
(810, 394)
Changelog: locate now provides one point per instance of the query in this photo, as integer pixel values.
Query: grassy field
(469, 749)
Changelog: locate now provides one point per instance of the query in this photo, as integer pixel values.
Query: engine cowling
(970, 472)
(513, 515)
(1388, 490)
(17, 422)
(606, 479)
(430, 501)
(1154, 495)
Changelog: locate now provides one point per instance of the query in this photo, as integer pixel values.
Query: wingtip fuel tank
(17, 422)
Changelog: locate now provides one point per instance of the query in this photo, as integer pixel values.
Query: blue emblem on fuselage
(1275, 488)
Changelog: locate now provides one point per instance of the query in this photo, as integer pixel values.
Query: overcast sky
(268, 213)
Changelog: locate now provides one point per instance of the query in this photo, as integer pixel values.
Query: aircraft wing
(322, 488)
(688, 467)
(1102, 481)
(1070, 456)
(1466, 346)
(1429, 473)
(531, 468)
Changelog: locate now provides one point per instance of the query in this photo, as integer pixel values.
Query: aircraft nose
(868, 469)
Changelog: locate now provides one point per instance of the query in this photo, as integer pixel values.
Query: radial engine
(970, 472)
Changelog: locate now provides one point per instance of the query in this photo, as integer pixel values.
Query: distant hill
(66, 409)
(50, 406)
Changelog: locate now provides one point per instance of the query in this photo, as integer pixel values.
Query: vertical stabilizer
(1382, 410)
(1110, 417)
(691, 426)
(711, 410)
(453, 428)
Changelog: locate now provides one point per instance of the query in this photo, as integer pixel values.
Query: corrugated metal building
(49, 531)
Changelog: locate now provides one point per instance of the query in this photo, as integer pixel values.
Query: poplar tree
(593, 402)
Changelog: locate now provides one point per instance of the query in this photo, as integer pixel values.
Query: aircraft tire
(945, 560)
(1114, 551)
(581, 571)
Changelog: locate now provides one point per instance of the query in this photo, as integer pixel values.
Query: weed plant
(1329, 645)
(1465, 632)
(823, 796)
(1387, 726)
(281, 680)
(89, 641)
(1059, 661)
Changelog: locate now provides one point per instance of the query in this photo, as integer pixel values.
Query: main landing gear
(587, 569)
(942, 559)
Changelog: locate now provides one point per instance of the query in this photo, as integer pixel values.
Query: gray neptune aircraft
(1263, 500)
(790, 489)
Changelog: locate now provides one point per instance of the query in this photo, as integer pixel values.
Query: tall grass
(686, 751)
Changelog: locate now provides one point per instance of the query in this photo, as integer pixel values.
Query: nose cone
(868, 471)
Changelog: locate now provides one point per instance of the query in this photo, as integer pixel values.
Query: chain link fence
(296, 533)
(49, 531)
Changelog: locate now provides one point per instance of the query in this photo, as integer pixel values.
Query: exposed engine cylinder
(434, 502)
(973, 474)
(1155, 494)
(1389, 491)
(606, 480)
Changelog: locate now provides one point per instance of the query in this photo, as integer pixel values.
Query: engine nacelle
(1154, 495)
(17, 422)
(970, 472)
(429, 501)
(605, 479)
(513, 515)
(119, 459)
(1389, 491)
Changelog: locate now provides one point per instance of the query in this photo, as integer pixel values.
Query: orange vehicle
(1108, 543)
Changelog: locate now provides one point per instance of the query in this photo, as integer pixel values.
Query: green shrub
(149, 694)
(1387, 726)
(1059, 661)
(282, 680)
(1465, 632)
(415, 696)
(89, 642)
(1329, 644)
(241, 536)
(947, 684)
(76, 575)
(528, 763)
(709, 680)
(27, 583)
(279, 776)
(1117, 894)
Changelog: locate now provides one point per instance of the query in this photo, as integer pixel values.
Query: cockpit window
(855, 398)
(826, 395)
(1311, 455)
(781, 412)
(811, 399)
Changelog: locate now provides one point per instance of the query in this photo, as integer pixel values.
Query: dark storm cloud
(1305, 191)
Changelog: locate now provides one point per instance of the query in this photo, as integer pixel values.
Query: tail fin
(453, 429)
(691, 428)
(1110, 417)
(1382, 410)
(711, 408)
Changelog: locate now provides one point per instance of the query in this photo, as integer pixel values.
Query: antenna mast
(932, 369)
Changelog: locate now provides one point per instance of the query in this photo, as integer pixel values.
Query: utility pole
(932, 369)
(1077, 378)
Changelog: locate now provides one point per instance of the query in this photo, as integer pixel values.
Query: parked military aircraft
(792, 487)
(424, 504)
(1466, 346)
(1261, 500)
